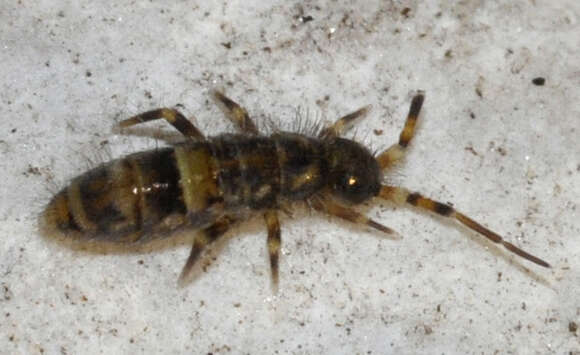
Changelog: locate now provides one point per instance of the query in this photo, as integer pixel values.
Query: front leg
(396, 152)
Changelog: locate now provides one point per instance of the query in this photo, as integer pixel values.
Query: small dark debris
(448, 54)
(32, 170)
(13, 130)
(572, 327)
(237, 305)
(406, 11)
(307, 18)
(539, 81)
(7, 293)
(524, 306)
(472, 115)
(378, 132)
(499, 274)
(245, 52)
(267, 49)
(148, 94)
(227, 45)
(428, 329)
(439, 308)
(471, 150)
(478, 92)
(88, 74)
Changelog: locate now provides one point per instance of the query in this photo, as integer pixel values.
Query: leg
(237, 114)
(174, 117)
(334, 209)
(202, 239)
(402, 195)
(274, 243)
(396, 151)
(343, 123)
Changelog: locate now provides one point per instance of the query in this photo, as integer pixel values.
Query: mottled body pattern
(208, 184)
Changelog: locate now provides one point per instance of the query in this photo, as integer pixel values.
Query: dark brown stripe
(230, 104)
(416, 105)
(300, 155)
(163, 195)
(184, 126)
(96, 197)
(61, 215)
(131, 168)
(442, 209)
(413, 198)
(150, 115)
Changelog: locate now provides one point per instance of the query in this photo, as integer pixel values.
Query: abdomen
(126, 200)
(151, 194)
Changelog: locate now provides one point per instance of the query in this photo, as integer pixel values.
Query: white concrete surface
(502, 149)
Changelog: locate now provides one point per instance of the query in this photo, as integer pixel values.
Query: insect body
(209, 184)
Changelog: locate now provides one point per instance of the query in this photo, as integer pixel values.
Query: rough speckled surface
(502, 149)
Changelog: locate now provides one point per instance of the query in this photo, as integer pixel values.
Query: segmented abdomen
(153, 193)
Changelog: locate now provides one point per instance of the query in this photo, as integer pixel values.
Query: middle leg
(236, 113)
(343, 123)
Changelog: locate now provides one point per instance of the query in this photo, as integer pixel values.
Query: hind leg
(173, 117)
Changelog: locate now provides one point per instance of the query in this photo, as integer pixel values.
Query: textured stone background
(502, 149)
